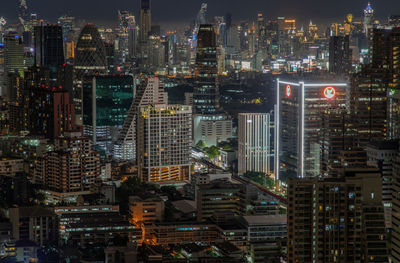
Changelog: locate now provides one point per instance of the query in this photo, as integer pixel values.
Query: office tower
(337, 219)
(382, 155)
(369, 105)
(206, 97)
(22, 12)
(339, 54)
(145, 19)
(254, 139)
(90, 55)
(13, 60)
(106, 101)
(220, 196)
(110, 56)
(395, 233)
(48, 106)
(150, 92)
(71, 167)
(67, 24)
(211, 125)
(49, 51)
(368, 20)
(337, 135)
(298, 124)
(35, 223)
(132, 39)
(164, 134)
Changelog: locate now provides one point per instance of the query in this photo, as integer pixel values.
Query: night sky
(185, 10)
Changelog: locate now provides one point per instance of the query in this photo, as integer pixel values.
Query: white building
(212, 129)
(254, 139)
(164, 142)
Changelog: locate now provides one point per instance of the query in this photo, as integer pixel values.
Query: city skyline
(167, 13)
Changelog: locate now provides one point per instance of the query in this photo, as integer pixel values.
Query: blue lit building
(106, 101)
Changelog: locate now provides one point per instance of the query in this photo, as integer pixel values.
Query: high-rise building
(145, 19)
(206, 97)
(106, 101)
(254, 138)
(395, 233)
(49, 51)
(13, 60)
(71, 167)
(48, 106)
(368, 19)
(382, 155)
(298, 124)
(164, 135)
(67, 24)
(337, 135)
(337, 219)
(90, 55)
(211, 125)
(150, 92)
(339, 54)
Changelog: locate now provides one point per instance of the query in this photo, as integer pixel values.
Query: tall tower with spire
(368, 19)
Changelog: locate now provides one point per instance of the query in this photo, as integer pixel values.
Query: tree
(260, 178)
(212, 152)
(200, 144)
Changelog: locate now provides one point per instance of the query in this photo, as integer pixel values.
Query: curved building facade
(90, 52)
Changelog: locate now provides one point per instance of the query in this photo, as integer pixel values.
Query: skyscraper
(13, 60)
(150, 92)
(145, 19)
(339, 54)
(205, 96)
(210, 125)
(368, 20)
(106, 101)
(48, 106)
(49, 51)
(337, 219)
(254, 138)
(90, 53)
(164, 134)
(298, 124)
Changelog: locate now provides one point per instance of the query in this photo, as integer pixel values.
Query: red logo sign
(329, 92)
(288, 91)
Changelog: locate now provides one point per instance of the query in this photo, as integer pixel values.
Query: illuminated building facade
(90, 53)
(145, 19)
(149, 92)
(71, 167)
(220, 196)
(106, 101)
(300, 106)
(337, 219)
(254, 138)
(164, 142)
(13, 60)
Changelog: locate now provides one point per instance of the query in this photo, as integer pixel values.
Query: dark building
(49, 50)
(337, 219)
(34, 223)
(205, 95)
(339, 54)
(145, 20)
(90, 55)
(47, 109)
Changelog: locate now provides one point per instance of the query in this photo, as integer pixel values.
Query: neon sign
(288, 91)
(329, 92)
